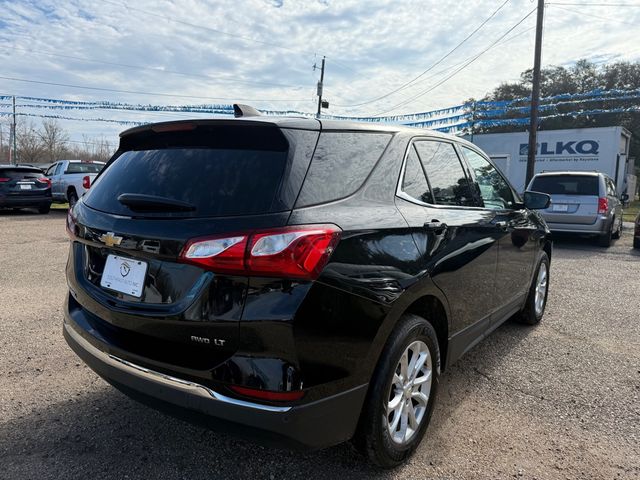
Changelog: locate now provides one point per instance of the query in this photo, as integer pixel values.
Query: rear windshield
(20, 172)
(79, 167)
(225, 181)
(566, 184)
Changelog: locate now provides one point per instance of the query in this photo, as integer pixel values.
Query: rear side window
(79, 167)
(340, 165)
(566, 184)
(220, 171)
(449, 183)
(414, 182)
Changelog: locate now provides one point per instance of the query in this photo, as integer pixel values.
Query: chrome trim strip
(185, 386)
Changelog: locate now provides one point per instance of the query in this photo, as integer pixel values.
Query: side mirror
(536, 200)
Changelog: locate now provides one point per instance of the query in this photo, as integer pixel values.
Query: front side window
(449, 184)
(414, 182)
(494, 190)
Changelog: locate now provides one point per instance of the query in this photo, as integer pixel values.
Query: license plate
(25, 186)
(560, 208)
(124, 275)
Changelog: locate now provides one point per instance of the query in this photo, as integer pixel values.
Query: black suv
(24, 187)
(300, 281)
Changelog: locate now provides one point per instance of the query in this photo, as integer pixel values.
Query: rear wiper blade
(136, 201)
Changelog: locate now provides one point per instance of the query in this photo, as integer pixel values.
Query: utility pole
(535, 96)
(320, 88)
(14, 157)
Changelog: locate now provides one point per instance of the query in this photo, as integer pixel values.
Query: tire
(373, 437)
(44, 209)
(618, 233)
(604, 240)
(72, 196)
(530, 315)
(636, 242)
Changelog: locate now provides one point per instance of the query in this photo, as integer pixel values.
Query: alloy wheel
(409, 393)
(541, 289)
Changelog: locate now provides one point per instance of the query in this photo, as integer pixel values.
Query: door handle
(435, 226)
(502, 225)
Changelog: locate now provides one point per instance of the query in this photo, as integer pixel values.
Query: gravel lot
(560, 400)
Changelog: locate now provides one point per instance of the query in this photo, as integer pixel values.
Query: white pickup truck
(71, 178)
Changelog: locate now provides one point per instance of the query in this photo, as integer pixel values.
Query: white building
(584, 149)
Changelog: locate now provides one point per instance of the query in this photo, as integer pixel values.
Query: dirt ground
(557, 401)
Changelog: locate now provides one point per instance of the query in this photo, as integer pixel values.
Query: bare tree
(28, 143)
(54, 139)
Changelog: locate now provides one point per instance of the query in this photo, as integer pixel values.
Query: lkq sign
(563, 151)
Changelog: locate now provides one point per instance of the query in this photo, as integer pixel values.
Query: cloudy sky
(262, 52)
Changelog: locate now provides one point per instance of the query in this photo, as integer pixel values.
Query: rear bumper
(601, 225)
(24, 202)
(319, 424)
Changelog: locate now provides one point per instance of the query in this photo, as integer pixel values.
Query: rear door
(454, 235)
(56, 179)
(574, 197)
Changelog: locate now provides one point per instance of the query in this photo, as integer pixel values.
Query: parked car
(581, 202)
(298, 281)
(70, 179)
(24, 187)
(636, 232)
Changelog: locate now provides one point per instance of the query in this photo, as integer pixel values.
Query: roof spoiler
(240, 110)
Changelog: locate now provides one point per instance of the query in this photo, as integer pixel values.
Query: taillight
(603, 205)
(225, 254)
(44, 180)
(290, 252)
(4, 179)
(86, 182)
(268, 394)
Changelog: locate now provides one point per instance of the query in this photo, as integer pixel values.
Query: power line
(155, 94)
(606, 19)
(157, 70)
(584, 4)
(406, 84)
(444, 70)
(424, 92)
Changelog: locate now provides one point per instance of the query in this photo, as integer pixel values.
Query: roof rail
(240, 110)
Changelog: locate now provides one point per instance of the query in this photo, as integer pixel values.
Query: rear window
(20, 172)
(78, 167)
(566, 185)
(340, 165)
(224, 173)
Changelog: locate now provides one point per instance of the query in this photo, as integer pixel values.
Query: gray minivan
(581, 202)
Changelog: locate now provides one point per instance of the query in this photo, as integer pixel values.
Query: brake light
(86, 182)
(4, 179)
(44, 180)
(290, 252)
(603, 205)
(268, 394)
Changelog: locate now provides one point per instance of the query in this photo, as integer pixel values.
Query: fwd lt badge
(216, 341)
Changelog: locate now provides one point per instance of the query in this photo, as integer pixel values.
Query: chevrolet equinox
(298, 281)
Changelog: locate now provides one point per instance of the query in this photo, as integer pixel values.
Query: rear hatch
(23, 182)
(166, 185)
(574, 197)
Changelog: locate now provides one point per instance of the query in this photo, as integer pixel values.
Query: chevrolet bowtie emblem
(110, 239)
